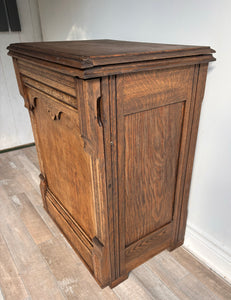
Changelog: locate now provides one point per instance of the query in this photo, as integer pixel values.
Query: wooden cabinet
(115, 126)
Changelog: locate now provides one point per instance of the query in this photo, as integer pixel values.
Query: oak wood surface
(59, 81)
(69, 183)
(115, 126)
(150, 192)
(120, 68)
(85, 54)
(148, 90)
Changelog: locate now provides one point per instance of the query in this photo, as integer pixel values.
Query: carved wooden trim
(53, 92)
(30, 105)
(54, 115)
(107, 70)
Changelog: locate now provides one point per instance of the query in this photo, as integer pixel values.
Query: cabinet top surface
(89, 53)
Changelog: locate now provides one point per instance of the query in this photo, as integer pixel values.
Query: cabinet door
(153, 126)
(66, 168)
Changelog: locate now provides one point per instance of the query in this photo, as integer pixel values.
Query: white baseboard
(209, 251)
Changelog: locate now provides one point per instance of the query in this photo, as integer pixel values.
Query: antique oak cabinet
(115, 126)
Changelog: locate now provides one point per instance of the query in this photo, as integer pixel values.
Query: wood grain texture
(146, 132)
(92, 133)
(57, 80)
(26, 255)
(79, 241)
(218, 286)
(147, 247)
(147, 90)
(11, 284)
(184, 284)
(72, 276)
(152, 142)
(66, 98)
(38, 230)
(175, 275)
(153, 284)
(115, 126)
(119, 68)
(65, 186)
(85, 54)
(198, 94)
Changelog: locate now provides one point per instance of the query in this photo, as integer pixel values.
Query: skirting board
(17, 147)
(208, 251)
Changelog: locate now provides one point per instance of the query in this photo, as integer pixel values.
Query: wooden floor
(36, 262)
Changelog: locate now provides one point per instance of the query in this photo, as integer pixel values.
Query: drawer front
(153, 121)
(60, 86)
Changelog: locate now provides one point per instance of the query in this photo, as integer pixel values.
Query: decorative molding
(79, 232)
(209, 251)
(30, 105)
(121, 68)
(54, 91)
(91, 130)
(54, 116)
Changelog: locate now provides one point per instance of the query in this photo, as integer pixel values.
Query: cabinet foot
(118, 281)
(176, 245)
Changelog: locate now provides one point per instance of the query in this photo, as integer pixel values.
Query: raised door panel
(153, 124)
(66, 165)
(152, 144)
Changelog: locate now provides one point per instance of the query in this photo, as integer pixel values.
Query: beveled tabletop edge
(112, 52)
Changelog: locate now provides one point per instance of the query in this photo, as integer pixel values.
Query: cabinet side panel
(152, 142)
(153, 126)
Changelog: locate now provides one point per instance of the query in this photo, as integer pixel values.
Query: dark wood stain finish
(115, 125)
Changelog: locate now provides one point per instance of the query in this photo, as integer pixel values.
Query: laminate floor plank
(72, 276)
(33, 269)
(31, 219)
(36, 262)
(16, 181)
(219, 286)
(153, 284)
(11, 284)
(32, 173)
(183, 284)
(132, 289)
(31, 154)
(36, 200)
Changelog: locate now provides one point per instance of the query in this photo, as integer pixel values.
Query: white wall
(15, 128)
(196, 22)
